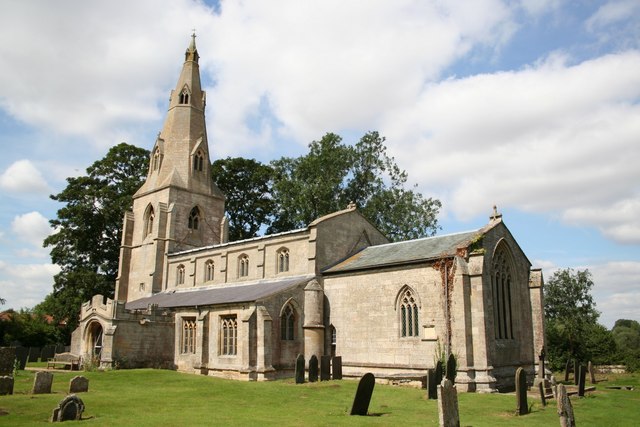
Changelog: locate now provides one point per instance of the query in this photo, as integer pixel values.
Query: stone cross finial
(495, 216)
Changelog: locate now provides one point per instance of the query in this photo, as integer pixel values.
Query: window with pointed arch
(209, 269)
(180, 275)
(194, 218)
(243, 265)
(157, 157)
(408, 314)
(148, 221)
(198, 161)
(229, 335)
(184, 96)
(501, 285)
(283, 260)
(288, 323)
(188, 337)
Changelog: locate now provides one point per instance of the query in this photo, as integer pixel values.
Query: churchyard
(168, 398)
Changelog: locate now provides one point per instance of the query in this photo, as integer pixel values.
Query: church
(187, 298)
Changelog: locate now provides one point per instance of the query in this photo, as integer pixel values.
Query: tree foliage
(246, 184)
(88, 227)
(28, 328)
(333, 174)
(626, 334)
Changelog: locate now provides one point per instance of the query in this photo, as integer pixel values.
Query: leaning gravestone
(448, 404)
(336, 367)
(451, 369)
(69, 409)
(6, 385)
(325, 368)
(22, 354)
(300, 369)
(7, 360)
(432, 385)
(565, 410)
(554, 386)
(78, 384)
(313, 369)
(363, 395)
(592, 372)
(521, 392)
(576, 366)
(582, 377)
(438, 373)
(42, 382)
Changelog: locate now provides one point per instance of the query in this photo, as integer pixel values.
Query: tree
(570, 315)
(332, 175)
(28, 328)
(626, 334)
(246, 184)
(86, 244)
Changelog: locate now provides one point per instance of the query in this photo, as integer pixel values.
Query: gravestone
(582, 378)
(451, 369)
(300, 369)
(48, 351)
(78, 384)
(42, 382)
(521, 392)
(554, 386)
(325, 368)
(69, 409)
(592, 372)
(565, 410)
(6, 385)
(576, 366)
(34, 354)
(541, 368)
(336, 367)
(448, 404)
(567, 368)
(543, 397)
(438, 373)
(7, 360)
(313, 369)
(432, 385)
(22, 354)
(363, 395)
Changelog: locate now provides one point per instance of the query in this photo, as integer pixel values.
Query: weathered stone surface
(565, 410)
(522, 407)
(336, 367)
(592, 372)
(78, 384)
(6, 385)
(451, 369)
(42, 383)
(567, 369)
(582, 379)
(313, 369)
(542, 391)
(363, 395)
(448, 405)
(432, 385)
(34, 354)
(325, 368)
(300, 369)
(22, 354)
(7, 359)
(438, 373)
(69, 409)
(576, 366)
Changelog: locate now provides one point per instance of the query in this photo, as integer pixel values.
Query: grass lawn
(156, 398)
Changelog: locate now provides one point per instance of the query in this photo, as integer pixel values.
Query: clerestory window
(243, 266)
(180, 275)
(283, 260)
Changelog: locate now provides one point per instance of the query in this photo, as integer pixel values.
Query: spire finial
(192, 52)
(495, 216)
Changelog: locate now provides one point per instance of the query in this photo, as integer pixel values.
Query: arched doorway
(94, 340)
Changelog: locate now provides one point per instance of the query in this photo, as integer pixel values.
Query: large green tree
(626, 334)
(334, 174)
(86, 244)
(571, 317)
(246, 183)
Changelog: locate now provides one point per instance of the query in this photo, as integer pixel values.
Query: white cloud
(617, 290)
(25, 285)
(23, 177)
(612, 12)
(31, 227)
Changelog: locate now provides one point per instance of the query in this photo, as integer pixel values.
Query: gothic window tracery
(229, 336)
(188, 337)
(180, 275)
(209, 270)
(408, 314)
(156, 159)
(194, 218)
(283, 260)
(501, 286)
(243, 265)
(184, 96)
(198, 162)
(287, 323)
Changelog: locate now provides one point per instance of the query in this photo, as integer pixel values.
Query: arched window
(95, 340)
(283, 260)
(287, 323)
(209, 269)
(501, 281)
(156, 159)
(188, 338)
(408, 314)
(243, 265)
(184, 96)
(194, 218)
(149, 216)
(180, 275)
(229, 336)
(198, 161)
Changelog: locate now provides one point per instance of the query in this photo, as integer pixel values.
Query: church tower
(178, 207)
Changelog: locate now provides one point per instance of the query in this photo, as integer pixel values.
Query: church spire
(192, 53)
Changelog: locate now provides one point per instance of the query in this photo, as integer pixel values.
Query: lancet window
(229, 336)
(287, 323)
(408, 314)
(501, 286)
(194, 218)
(188, 337)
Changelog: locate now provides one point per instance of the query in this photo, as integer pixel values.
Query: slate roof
(246, 292)
(411, 251)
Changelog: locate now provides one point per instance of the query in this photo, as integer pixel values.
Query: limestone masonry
(186, 298)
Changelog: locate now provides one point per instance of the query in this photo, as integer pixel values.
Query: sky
(530, 105)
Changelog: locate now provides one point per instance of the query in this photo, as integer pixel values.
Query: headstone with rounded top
(69, 409)
(448, 404)
(521, 392)
(313, 369)
(79, 384)
(300, 369)
(6, 385)
(336, 367)
(363, 395)
(42, 382)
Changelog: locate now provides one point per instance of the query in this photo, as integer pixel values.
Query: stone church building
(186, 298)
